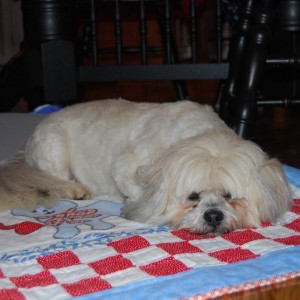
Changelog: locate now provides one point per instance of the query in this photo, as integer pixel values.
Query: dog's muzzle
(213, 217)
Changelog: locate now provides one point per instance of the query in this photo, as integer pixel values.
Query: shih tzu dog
(171, 163)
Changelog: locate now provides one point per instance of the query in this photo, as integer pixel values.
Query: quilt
(84, 249)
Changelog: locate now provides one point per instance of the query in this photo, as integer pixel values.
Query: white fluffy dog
(171, 163)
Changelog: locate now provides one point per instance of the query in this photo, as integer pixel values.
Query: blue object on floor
(293, 175)
(46, 109)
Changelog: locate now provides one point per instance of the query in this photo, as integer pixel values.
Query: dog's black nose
(213, 217)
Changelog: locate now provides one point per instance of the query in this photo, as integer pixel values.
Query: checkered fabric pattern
(135, 258)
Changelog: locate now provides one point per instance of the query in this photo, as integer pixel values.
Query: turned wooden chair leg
(244, 107)
(236, 59)
(247, 64)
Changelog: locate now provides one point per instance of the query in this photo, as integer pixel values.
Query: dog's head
(213, 183)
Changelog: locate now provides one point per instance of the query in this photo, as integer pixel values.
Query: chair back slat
(219, 41)
(167, 31)
(93, 28)
(118, 33)
(143, 33)
(167, 14)
(193, 33)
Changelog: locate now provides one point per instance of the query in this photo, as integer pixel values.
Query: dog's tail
(22, 186)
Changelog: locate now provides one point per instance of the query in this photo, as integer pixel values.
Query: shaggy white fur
(171, 163)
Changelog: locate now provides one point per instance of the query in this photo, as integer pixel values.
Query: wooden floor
(286, 290)
(278, 133)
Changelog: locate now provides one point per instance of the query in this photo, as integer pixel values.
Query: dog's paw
(79, 192)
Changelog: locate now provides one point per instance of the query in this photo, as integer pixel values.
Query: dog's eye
(194, 196)
(227, 196)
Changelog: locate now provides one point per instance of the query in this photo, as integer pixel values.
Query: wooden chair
(50, 67)
(267, 27)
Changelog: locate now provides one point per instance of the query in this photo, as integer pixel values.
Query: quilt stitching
(140, 256)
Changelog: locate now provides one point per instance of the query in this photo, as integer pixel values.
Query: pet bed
(85, 249)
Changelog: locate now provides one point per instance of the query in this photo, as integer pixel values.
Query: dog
(170, 163)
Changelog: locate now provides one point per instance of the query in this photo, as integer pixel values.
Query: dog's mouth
(207, 229)
(218, 230)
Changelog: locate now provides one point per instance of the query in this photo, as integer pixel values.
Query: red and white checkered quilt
(37, 262)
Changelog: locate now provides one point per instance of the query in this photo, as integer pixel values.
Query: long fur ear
(152, 205)
(277, 193)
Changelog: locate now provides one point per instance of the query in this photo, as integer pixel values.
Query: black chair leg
(17, 79)
(236, 58)
(46, 67)
(181, 90)
(248, 59)
(244, 110)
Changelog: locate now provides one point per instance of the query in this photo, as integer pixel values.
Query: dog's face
(211, 211)
(214, 183)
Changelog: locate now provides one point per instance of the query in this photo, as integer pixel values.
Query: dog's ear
(141, 175)
(152, 204)
(275, 190)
